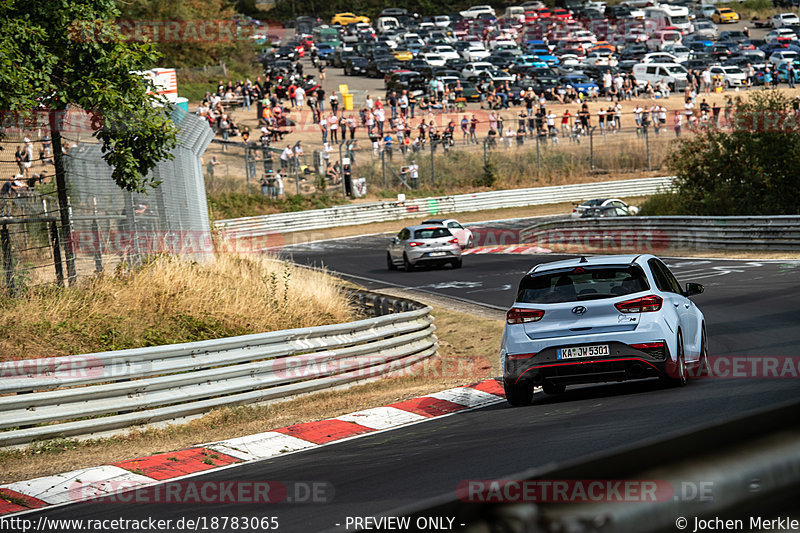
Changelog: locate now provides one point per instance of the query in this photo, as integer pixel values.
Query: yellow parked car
(725, 15)
(348, 18)
(403, 55)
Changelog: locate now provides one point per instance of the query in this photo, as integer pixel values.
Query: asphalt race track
(751, 308)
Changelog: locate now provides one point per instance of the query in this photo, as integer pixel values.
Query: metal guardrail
(92, 393)
(392, 210)
(657, 233)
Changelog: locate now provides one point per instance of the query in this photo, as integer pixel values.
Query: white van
(665, 15)
(673, 73)
(387, 23)
(661, 38)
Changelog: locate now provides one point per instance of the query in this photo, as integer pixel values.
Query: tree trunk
(63, 202)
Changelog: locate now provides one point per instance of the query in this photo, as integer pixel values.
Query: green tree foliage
(752, 168)
(47, 62)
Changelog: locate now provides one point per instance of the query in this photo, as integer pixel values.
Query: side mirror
(694, 288)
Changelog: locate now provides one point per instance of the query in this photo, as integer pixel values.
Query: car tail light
(516, 315)
(648, 345)
(453, 241)
(645, 304)
(655, 349)
(415, 243)
(521, 356)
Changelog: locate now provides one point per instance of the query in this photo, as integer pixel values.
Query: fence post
(647, 146)
(56, 243)
(296, 163)
(341, 171)
(538, 154)
(383, 166)
(591, 148)
(247, 168)
(433, 168)
(8, 260)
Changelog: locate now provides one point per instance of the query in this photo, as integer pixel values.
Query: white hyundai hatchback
(600, 319)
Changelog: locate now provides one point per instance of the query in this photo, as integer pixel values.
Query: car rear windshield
(431, 233)
(581, 283)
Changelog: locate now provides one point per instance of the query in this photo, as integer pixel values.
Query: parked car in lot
(464, 235)
(725, 15)
(731, 76)
(784, 19)
(600, 319)
(431, 244)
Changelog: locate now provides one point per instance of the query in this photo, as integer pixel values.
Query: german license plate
(583, 351)
(437, 254)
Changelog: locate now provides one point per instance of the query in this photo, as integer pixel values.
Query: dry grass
(476, 349)
(167, 301)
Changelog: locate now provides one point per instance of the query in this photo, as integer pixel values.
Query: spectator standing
(677, 120)
(347, 176)
(473, 127)
(334, 99)
(351, 125)
(286, 157)
(333, 127)
(387, 145)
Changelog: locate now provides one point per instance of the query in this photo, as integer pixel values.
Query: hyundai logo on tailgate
(579, 310)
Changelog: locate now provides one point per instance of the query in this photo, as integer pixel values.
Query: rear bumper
(623, 363)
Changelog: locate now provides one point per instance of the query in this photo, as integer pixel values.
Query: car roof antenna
(583, 259)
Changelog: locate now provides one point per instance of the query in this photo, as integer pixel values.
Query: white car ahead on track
(464, 235)
(600, 319)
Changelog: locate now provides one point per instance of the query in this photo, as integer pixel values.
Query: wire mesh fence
(520, 151)
(107, 225)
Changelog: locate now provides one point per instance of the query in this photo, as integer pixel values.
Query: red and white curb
(514, 249)
(87, 483)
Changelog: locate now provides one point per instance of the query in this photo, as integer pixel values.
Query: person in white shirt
(333, 128)
(706, 81)
(300, 97)
(508, 137)
(286, 156)
(370, 103)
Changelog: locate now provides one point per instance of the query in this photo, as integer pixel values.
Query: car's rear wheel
(518, 394)
(407, 264)
(702, 365)
(389, 263)
(678, 379)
